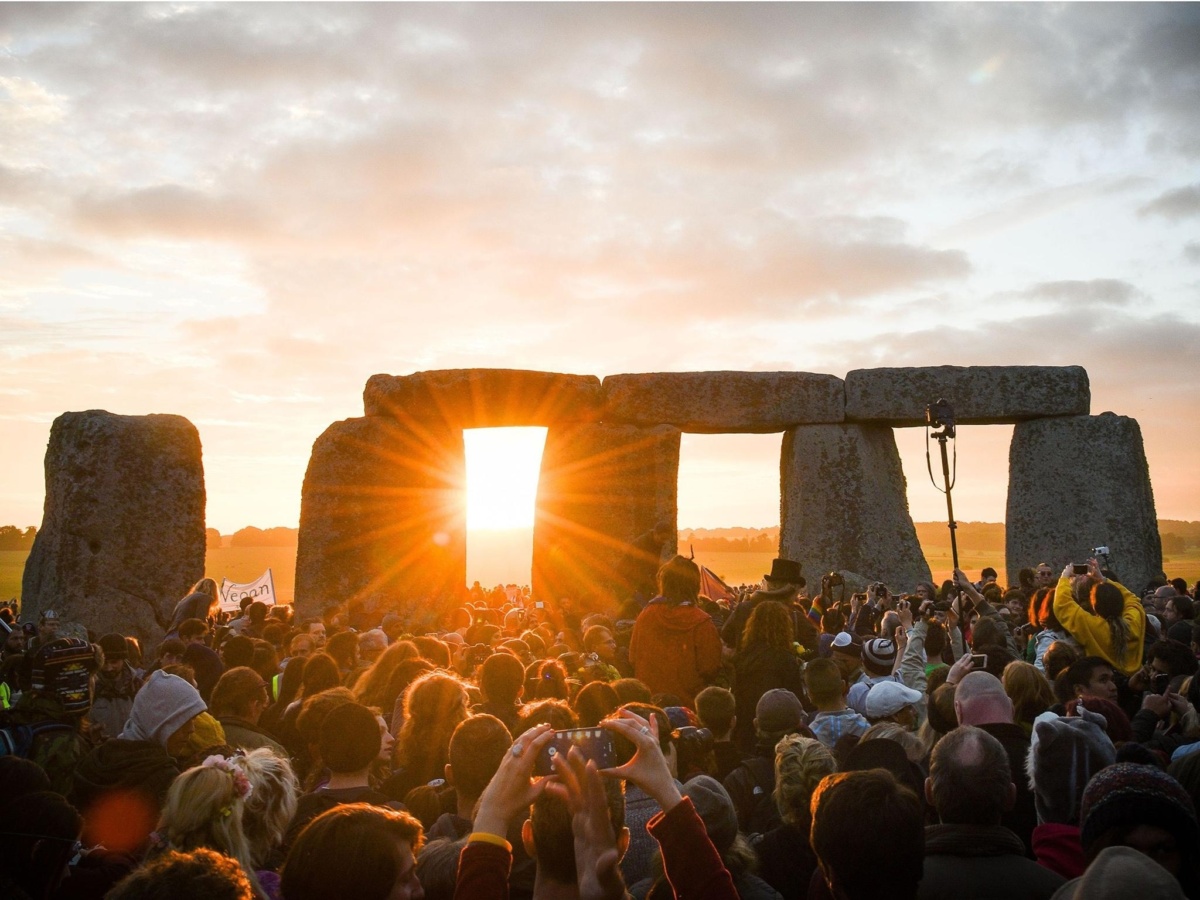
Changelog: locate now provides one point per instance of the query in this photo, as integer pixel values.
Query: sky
(239, 213)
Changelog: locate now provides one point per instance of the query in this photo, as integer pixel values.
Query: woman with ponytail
(1113, 629)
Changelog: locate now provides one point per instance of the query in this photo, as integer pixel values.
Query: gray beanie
(715, 808)
(164, 705)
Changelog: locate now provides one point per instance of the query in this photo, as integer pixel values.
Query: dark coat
(1022, 818)
(981, 862)
(756, 670)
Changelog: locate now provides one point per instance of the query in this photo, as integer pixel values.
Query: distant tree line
(253, 537)
(14, 538)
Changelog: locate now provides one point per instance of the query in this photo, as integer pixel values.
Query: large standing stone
(843, 505)
(601, 486)
(122, 536)
(484, 398)
(980, 395)
(1079, 483)
(720, 402)
(382, 520)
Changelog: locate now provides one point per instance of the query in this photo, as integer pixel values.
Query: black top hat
(785, 570)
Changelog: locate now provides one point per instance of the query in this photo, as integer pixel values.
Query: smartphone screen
(594, 743)
(1081, 568)
(1160, 683)
(979, 660)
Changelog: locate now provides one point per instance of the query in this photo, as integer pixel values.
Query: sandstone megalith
(122, 535)
(720, 402)
(484, 398)
(981, 395)
(843, 505)
(1078, 483)
(601, 486)
(382, 520)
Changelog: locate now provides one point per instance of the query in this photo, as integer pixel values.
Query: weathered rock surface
(484, 398)
(382, 521)
(1079, 483)
(122, 535)
(601, 487)
(843, 505)
(720, 402)
(980, 395)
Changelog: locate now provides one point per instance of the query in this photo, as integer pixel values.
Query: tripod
(939, 423)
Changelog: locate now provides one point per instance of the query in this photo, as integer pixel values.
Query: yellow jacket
(1093, 632)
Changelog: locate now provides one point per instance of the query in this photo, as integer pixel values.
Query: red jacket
(1057, 848)
(675, 649)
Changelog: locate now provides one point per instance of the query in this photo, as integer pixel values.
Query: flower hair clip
(241, 784)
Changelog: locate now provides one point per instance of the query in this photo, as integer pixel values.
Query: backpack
(17, 740)
(757, 809)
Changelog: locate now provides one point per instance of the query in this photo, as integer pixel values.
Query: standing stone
(601, 487)
(382, 522)
(122, 536)
(980, 395)
(843, 505)
(1079, 483)
(721, 402)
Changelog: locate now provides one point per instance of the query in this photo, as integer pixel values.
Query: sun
(502, 476)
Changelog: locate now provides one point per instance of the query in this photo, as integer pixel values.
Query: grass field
(243, 564)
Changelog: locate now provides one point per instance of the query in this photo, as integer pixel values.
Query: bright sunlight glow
(502, 476)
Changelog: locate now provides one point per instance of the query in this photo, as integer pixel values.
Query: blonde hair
(800, 764)
(206, 586)
(914, 747)
(204, 809)
(271, 803)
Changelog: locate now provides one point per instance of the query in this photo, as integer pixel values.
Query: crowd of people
(962, 740)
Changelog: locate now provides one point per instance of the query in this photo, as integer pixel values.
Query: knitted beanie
(164, 705)
(1126, 795)
(879, 654)
(715, 808)
(114, 647)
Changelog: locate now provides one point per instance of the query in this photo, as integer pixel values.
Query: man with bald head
(980, 701)
(970, 853)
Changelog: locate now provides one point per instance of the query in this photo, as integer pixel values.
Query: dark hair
(1079, 674)
(235, 690)
(942, 717)
(551, 683)
(200, 874)
(1058, 658)
(37, 841)
(679, 580)
(1179, 657)
(594, 702)
(266, 659)
(1109, 603)
(190, 628)
(852, 810)
(500, 678)
(971, 777)
(349, 739)
(172, 646)
(1041, 610)
(631, 690)
(314, 709)
(256, 612)
(238, 651)
(343, 647)
(289, 683)
(547, 712)
(477, 748)
(1183, 606)
(553, 837)
(320, 674)
(351, 850)
(433, 650)
(715, 708)
(769, 625)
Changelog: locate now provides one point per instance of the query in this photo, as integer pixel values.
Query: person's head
(679, 580)
(914, 748)
(1028, 690)
(199, 874)
(1091, 676)
(349, 740)
(846, 653)
(371, 645)
(1140, 807)
(477, 747)
(824, 682)
(204, 808)
(355, 850)
(853, 810)
(313, 711)
(631, 690)
(1041, 610)
(237, 651)
(891, 701)
(979, 699)
(48, 623)
(193, 631)
(320, 674)
(1044, 575)
(164, 711)
(315, 629)
(1017, 605)
(116, 653)
(800, 764)
(550, 840)
(770, 626)
(551, 682)
(302, 645)
(271, 803)
(434, 704)
(39, 832)
(970, 782)
(546, 712)
(716, 708)
(777, 713)
(1058, 658)
(343, 647)
(595, 702)
(1064, 753)
(601, 641)
(437, 867)
(502, 678)
(1171, 658)
(240, 692)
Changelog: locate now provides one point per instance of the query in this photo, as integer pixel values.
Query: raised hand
(648, 769)
(597, 860)
(512, 790)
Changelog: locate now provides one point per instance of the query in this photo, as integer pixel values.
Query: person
(39, 834)
(502, 682)
(891, 701)
(201, 874)
(114, 688)
(853, 810)
(782, 585)
(1088, 677)
(267, 810)
(765, 660)
(981, 702)
(1120, 872)
(786, 858)
(238, 702)
(1116, 628)
(675, 647)
(645, 557)
(355, 850)
(970, 853)
(827, 690)
(1029, 691)
(201, 602)
(434, 704)
(751, 784)
(1050, 630)
(477, 747)
(716, 708)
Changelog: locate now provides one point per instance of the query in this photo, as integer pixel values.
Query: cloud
(1191, 252)
(169, 210)
(1076, 294)
(1180, 203)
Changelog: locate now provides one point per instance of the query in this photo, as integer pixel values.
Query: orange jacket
(675, 649)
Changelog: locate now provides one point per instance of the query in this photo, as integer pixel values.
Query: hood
(163, 705)
(679, 619)
(143, 765)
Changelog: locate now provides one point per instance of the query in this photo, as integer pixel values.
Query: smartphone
(595, 744)
(1160, 682)
(539, 605)
(979, 660)
(1080, 568)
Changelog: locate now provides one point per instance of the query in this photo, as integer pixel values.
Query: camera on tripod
(940, 415)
